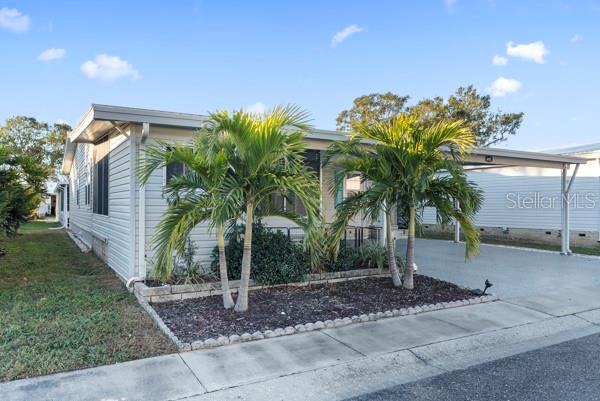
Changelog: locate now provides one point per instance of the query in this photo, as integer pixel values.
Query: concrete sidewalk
(335, 363)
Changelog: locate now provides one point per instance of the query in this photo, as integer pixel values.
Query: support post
(563, 225)
(383, 236)
(568, 211)
(456, 225)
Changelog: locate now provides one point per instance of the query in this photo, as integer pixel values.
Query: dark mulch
(203, 318)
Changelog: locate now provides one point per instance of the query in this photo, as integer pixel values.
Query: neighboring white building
(524, 202)
(102, 204)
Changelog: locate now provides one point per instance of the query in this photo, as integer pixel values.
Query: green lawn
(593, 250)
(61, 309)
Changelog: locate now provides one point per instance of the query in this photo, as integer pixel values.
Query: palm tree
(351, 157)
(194, 197)
(266, 158)
(411, 164)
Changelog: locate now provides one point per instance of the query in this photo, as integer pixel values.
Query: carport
(489, 158)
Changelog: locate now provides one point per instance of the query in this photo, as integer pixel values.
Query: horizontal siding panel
(507, 202)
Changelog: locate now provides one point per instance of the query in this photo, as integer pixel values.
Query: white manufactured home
(102, 204)
(525, 202)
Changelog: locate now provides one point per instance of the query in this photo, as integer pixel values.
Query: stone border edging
(328, 324)
(168, 292)
(181, 346)
(302, 328)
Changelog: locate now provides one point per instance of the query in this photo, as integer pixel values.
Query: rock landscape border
(145, 294)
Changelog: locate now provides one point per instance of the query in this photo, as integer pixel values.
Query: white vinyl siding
(156, 204)
(81, 174)
(502, 187)
(108, 235)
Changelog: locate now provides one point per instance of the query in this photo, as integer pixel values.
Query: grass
(61, 309)
(583, 250)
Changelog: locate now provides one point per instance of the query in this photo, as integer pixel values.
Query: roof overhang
(100, 119)
(479, 157)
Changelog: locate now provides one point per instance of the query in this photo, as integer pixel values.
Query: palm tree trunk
(227, 300)
(242, 299)
(391, 248)
(410, 250)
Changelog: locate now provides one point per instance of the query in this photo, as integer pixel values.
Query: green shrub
(187, 270)
(369, 256)
(275, 259)
(347, 259)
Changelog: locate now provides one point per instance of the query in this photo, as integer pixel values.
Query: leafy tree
(405, 164)
(489, 127)
(36, 140)
(21, 182)
(372, 108)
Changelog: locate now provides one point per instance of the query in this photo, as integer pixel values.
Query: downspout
(141, 233)
(142, 205)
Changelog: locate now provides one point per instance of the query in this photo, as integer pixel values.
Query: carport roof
(100, 119)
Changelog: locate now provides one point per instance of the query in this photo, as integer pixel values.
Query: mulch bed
(203, 318)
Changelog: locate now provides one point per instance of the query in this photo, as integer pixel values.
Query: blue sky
(198, 56)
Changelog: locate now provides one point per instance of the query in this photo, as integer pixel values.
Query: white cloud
(345, 34)
(534, 51)
(499, 60)
(52, 54)
(256, 108)
(503, 86)
(576, 38)
(109, 68)
(13, 20)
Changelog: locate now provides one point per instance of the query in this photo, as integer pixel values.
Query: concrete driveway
(514, 272)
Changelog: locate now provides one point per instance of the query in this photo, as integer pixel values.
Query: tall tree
(372, 108)
(37, 140)
(489, 127)
(21, 183)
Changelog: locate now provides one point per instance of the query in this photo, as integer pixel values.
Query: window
(346, 186)
(68, 197)
(62, 200)
(174, 170)
(100, 180)
(77, 196)
(88, 194)
(352, 185)
(312, 160)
